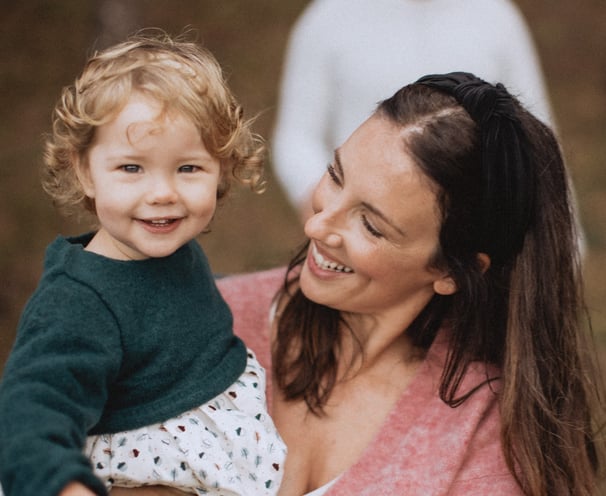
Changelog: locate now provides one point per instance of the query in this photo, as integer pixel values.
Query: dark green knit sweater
(105, 346)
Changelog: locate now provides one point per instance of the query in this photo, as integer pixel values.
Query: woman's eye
(370, 228)
(333, 174)
(188, 168)
(130, 168)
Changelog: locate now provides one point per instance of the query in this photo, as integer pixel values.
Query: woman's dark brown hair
(503, 191)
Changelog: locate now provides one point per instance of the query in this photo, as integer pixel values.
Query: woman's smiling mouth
(327, 264)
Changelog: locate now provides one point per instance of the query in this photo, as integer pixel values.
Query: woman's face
(374, 230)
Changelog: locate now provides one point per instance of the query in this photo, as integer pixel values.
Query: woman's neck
(374, 345)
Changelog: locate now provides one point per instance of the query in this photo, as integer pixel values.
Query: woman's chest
(322, 447)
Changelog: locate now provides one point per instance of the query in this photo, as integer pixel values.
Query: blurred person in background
(346, 55)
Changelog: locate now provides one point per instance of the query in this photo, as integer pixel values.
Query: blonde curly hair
(178, 73)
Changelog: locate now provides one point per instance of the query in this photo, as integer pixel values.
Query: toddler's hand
(76, 489)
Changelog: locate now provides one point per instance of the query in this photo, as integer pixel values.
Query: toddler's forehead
(143, 116)
(137, 132)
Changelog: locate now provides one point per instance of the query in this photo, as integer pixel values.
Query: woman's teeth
(327, 265)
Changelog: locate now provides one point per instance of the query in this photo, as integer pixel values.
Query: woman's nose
(323, 227)
(325, 224)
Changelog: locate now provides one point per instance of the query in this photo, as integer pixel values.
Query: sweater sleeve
(301, 139)
(520, 63)
(53, 391)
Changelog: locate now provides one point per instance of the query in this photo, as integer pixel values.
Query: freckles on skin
(379, 215)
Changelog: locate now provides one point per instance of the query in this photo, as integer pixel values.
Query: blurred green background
(43, 46)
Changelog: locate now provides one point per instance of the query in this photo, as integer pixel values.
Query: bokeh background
(43, 45)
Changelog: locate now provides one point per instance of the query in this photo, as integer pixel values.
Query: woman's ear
(445, 286)
(83, 174)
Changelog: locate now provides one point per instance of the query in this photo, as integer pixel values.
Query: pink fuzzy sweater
(425, 447)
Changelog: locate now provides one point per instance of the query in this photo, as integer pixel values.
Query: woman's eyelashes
(370, 228)
(332, 172)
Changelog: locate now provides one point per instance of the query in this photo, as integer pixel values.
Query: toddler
(125, 370)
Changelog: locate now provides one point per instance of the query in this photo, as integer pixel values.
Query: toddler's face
(153, 182)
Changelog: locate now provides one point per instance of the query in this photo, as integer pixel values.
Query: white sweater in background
(344, 56)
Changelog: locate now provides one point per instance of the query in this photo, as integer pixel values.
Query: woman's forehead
(376, 151)
(381, 172)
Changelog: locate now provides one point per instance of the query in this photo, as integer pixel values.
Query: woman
(426, 340)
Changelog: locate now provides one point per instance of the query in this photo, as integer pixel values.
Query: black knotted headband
(508, 180)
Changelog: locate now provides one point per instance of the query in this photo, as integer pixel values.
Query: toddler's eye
(130, 168)
(188, 168)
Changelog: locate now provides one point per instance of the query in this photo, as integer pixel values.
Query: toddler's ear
(83, 173)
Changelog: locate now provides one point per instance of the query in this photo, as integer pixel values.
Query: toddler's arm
(145, 491)
(53, 391)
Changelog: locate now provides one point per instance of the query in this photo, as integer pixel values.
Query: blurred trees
(43, 44)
